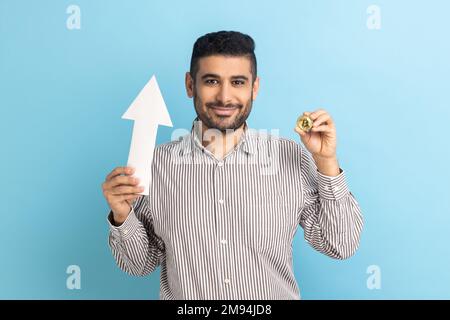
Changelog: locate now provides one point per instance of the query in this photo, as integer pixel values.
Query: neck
(219, 143)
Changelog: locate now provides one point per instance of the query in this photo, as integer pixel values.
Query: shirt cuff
(332, 188)
(126, 230)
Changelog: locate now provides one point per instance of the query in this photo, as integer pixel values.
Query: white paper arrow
(148, 111)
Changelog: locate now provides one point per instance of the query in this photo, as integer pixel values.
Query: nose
(224, 94)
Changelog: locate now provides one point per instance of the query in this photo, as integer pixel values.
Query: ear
(189, 82)
(255, 88)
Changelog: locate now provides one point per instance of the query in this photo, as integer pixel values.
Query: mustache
(218, 104)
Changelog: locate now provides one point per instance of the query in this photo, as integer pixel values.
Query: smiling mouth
(221, 111)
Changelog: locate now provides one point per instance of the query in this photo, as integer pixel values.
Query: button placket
(222, 226)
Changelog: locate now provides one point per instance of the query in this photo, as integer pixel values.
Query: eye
(238, 82)
(211, 81)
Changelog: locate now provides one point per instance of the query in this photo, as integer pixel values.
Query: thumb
(302, 133)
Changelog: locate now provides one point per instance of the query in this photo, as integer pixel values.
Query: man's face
(223, 91)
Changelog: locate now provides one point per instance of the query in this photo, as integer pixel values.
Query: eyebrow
(216, 76)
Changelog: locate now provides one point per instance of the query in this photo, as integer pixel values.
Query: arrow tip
(149, 106)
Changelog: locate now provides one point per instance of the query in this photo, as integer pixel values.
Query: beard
(222, 123)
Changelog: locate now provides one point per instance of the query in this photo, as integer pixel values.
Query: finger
(115, 172)
(300, 131)
(322, 128)
(123, 180)
(314, 115)
(128, 197)
(126, 190)
(118, 171)
(323, 118)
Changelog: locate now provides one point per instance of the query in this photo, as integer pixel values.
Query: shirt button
(223, 241)
(220, 163)
(227, 281)
(221, 201)
(336, 188)
(125, 231)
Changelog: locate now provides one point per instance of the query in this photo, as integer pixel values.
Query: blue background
(63, 92)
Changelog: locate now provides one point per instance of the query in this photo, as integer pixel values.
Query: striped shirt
(223, 229)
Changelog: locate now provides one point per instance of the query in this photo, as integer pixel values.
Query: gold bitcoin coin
(304, 123)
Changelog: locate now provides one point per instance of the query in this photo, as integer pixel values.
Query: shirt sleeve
(134, 244)
(330, 215)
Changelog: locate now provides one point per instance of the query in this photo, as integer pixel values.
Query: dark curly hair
(227, 43)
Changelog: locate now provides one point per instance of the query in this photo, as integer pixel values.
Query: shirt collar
(192, 140)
